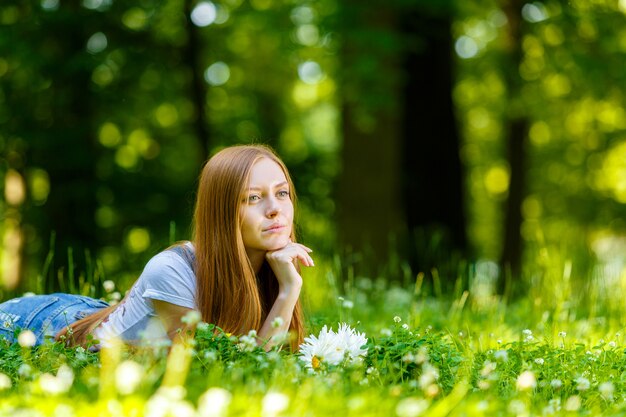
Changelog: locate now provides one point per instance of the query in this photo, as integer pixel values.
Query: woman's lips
(274, 228)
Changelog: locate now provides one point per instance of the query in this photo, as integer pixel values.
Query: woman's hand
(283, 263)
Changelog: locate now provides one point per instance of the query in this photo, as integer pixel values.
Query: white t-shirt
(169, 277)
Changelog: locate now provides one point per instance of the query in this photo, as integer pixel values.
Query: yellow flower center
(315, 362)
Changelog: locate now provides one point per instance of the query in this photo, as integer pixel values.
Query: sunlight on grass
(555, 352)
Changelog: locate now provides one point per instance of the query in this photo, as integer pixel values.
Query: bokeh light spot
(105, 217)
(531, 208)
(497, 180)
(50, 5)
(135, 18)
(138, 239)
(534, 12)
(110, 136)
(166, 115)
(102, 75)
(222, 15)
(126, 157)
(204, 14)
(261, 4)
(466, 47)
(307, 35)
(310, 72)
(99, 5)
(612, 175)
(302, 15)
(539, 133)
(14, 190)
(97, 43)
(39, 186)
(217, 74)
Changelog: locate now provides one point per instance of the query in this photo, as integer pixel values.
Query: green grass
(469, 353)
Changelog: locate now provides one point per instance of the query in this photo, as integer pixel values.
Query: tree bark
(368, 192)
(197, 87)
(517, 131)
(432, 171)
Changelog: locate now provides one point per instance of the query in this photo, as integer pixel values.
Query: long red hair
(229, 294)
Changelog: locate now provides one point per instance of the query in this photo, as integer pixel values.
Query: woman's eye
(283, 193)
(253, 198)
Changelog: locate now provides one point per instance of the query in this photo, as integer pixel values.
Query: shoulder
(179, 257)
(168, 276)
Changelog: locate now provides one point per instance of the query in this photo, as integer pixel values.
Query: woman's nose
(273, 207)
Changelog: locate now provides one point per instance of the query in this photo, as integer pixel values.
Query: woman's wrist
(290, 290)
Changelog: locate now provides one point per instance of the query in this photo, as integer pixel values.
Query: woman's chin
(278, 244)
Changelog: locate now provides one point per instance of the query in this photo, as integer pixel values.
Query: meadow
(556, 351)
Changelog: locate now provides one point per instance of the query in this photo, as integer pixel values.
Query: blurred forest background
(418, 132)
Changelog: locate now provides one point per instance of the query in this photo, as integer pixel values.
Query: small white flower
(116, 296)
(24, 370)
(27, 338)
(501, 355)
(526, 380)
(247, 343)
(397, 319)
(214, 402)
(405, 326)
(108, 286)
(191, 318)
(573, 403)
(607, 389)
(527, 332)
(28, 294)
(277, 322)
(429, 375)
(5, 382)
(488, 368)
(128, 375)
(562, 334)
(274, 403)
(280, 338)
(411, 407)
(386, 332)
(347, 304)
(59, 384)
(539, 361)
(556, 384)
(612, 344)
(499, 341)
(583, 384)
(409, 357)
(210, 355)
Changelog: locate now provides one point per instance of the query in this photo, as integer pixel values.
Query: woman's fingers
(294, 251)
(303, 255)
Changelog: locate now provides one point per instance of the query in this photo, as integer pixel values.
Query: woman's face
(266, 210)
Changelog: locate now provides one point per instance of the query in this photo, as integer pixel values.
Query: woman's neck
(257, 257)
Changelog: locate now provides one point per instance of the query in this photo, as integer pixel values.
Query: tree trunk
(432, 187)
(369, 202)
(517, 130)
(197, 87)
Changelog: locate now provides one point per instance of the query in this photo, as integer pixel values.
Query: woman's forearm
(283, 308)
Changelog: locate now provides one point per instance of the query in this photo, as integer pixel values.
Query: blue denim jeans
(45, 315)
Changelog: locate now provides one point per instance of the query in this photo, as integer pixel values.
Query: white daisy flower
(323, 348)
(332, 348)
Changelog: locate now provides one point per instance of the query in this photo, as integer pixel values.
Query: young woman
(240, 271)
